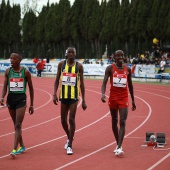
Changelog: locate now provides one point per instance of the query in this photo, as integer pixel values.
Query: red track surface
(94, 142)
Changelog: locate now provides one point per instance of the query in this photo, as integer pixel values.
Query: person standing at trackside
(120, 81)
(16, 79)
(162, 65)
(70, 75)
(40, 67)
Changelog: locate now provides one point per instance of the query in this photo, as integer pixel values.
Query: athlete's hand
(31, 110)
(55, 99)
(2, 101)
(103, 99)
(133, 106)
(84, 106)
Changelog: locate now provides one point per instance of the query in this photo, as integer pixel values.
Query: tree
(29, 33)
(121, 26)
(75, 31)
(153, 26)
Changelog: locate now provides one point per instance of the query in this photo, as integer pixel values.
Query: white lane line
(62, 136)
(2, 106)
(100, 148)
(65, 135)
(76, 131)
(36, 107)
(30, 126)
(154, 94)
(92, 153)
(160, 161)
(39, 123)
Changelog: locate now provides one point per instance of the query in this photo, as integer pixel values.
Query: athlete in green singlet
(16, 79)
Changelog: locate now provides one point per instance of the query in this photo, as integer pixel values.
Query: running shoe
(13, 153)
(69, 151)
(66, 145)
(116, 149)
(119, 152)
(20, 150)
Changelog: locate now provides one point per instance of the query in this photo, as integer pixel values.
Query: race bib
(16, 84)
(69, 79)
(119, 80)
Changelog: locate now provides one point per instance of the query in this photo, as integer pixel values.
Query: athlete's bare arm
(82, 87)
(4, 90)
(130, 85)
(56, 83)
(31, 91)
(105, 80)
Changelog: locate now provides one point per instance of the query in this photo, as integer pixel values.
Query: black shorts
(16, 101)
(68, 101)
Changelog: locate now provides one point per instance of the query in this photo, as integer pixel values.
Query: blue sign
(30, 67)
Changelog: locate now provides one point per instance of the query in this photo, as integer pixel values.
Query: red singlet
(118, 90)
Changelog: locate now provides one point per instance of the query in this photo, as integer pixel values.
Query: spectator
(162, 65)
(40, 67)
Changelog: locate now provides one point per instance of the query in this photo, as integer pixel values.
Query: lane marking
(9, 118)
(154, 94)
(111, 143)
(30, 127)
(106, 146)
(61, 136)
(1, 157)
(160, 161)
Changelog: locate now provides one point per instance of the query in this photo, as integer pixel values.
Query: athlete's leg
(73, 109)
(17, 117)
(114, 116)
(123, 112)
(20, 113)
(64, 114)
(13, 115)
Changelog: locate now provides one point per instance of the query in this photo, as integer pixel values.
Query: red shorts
(116, 104)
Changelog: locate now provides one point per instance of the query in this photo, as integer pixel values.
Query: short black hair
(119, 51)
(73, 49)
(19, 53)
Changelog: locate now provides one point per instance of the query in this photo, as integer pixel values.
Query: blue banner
(30, 66)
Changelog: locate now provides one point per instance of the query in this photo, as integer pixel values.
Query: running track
(94, 142)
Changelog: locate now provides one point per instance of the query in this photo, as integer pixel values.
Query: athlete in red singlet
(120, 81)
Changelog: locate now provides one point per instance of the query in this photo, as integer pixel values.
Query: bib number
(16, 84)
(119, 82)
(69, 79)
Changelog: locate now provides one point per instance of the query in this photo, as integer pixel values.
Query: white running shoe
(66, 145)
(69, 151)
(116, 149)
(119, 152)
